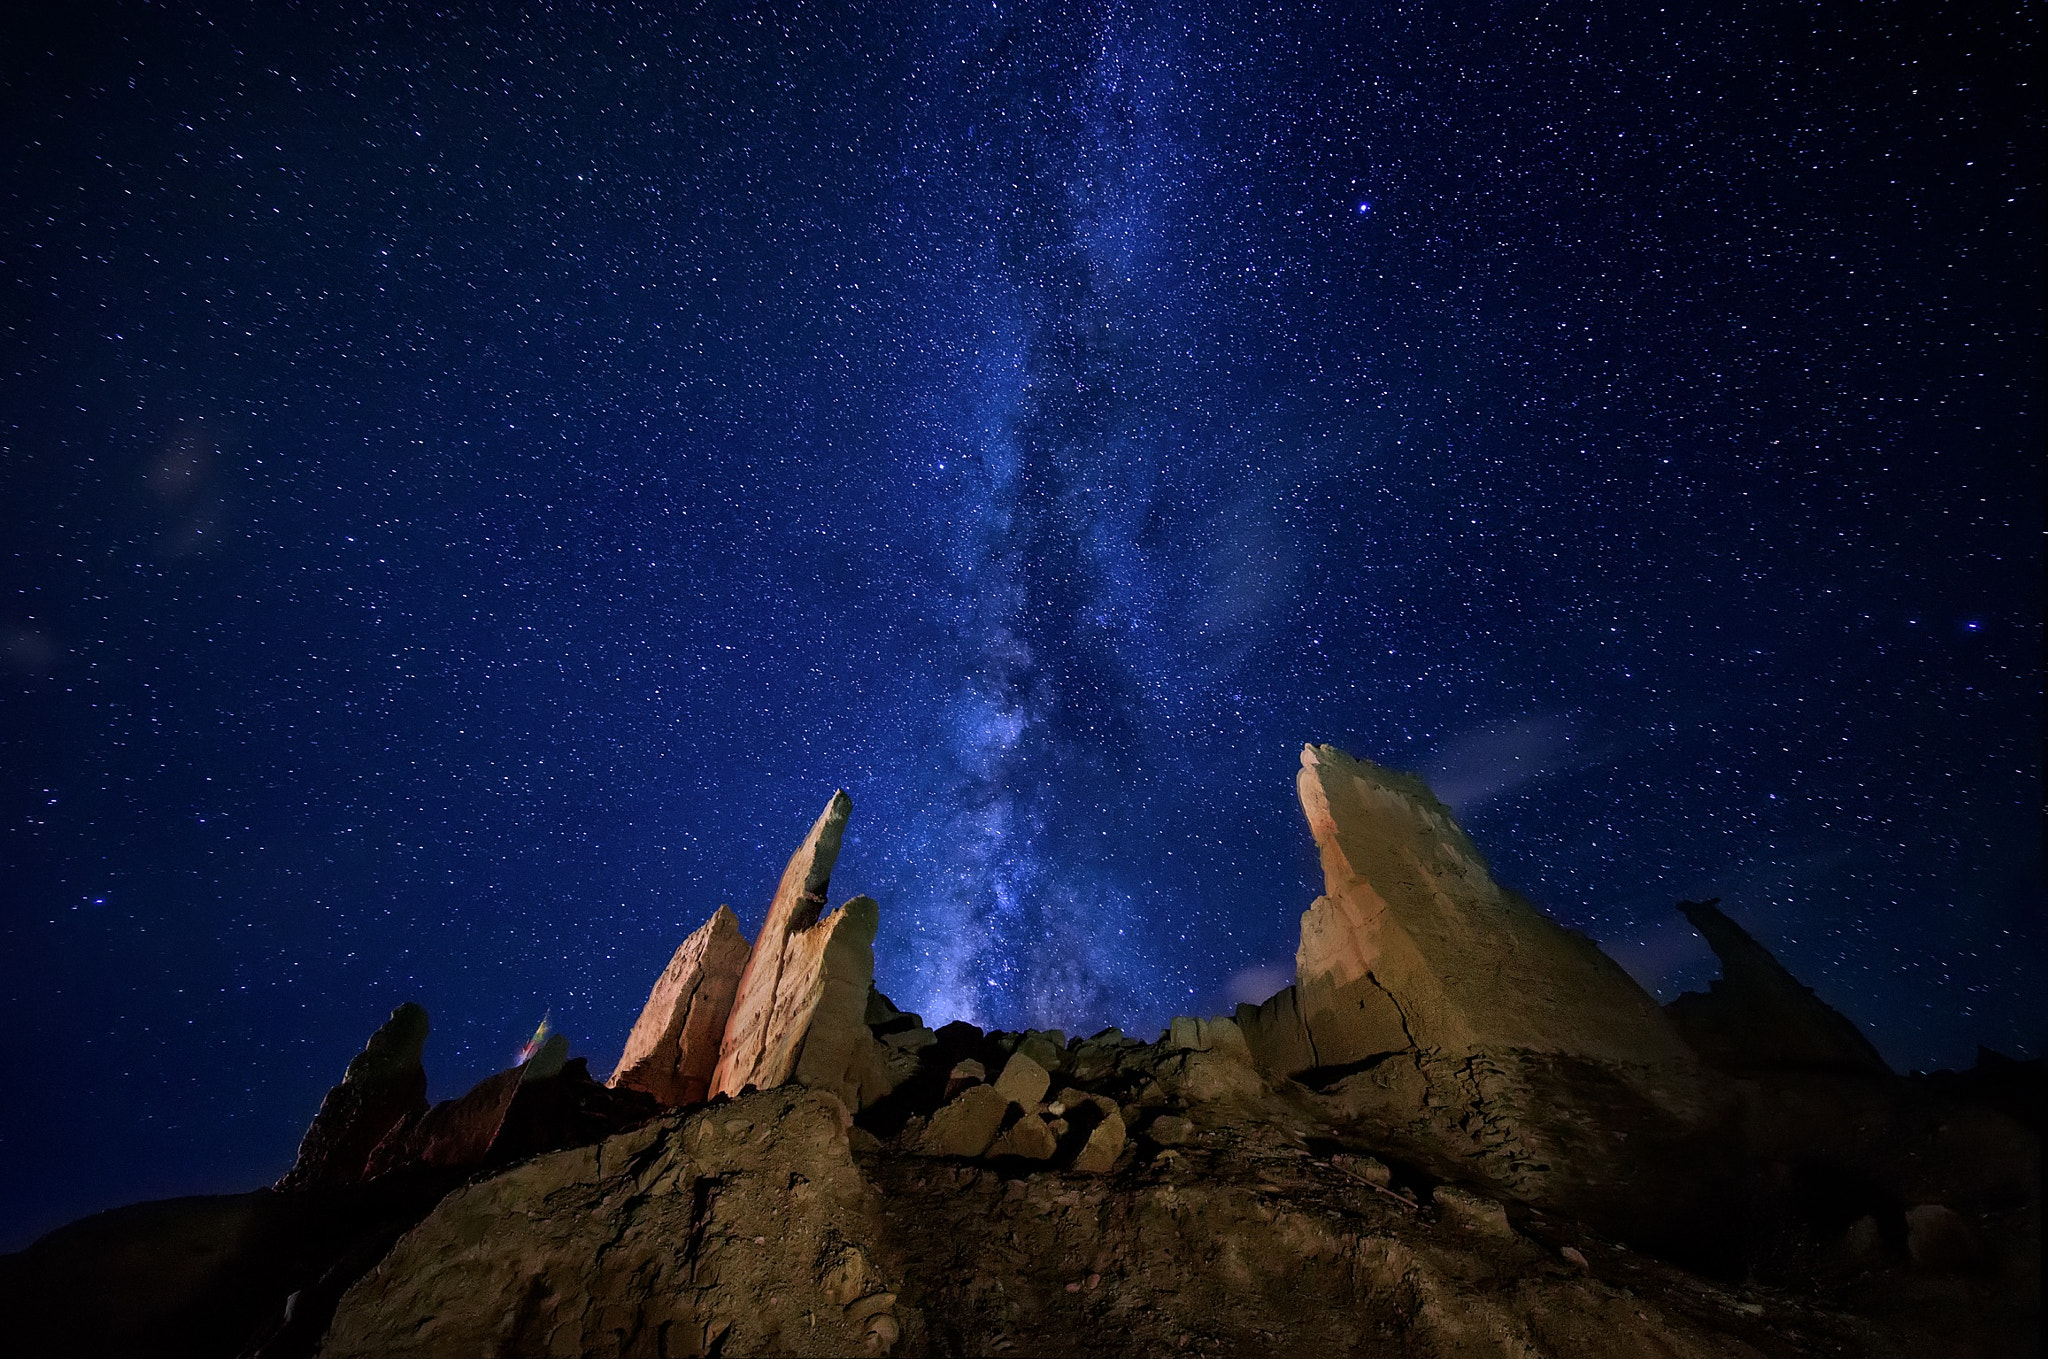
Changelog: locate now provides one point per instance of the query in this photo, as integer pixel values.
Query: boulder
(1757, 1015)
(965, 1072)
(384, 1088)
(673, 1049)
(1029, 1137)
(798, 902)
(1046, 1049)
(1105, 1143)
(967, 1125)
(1023, 1081)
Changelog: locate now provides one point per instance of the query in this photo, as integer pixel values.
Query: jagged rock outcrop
(798, 902)
(1413, 946)
(816, 1035)
(384, 1088)
(754, 1227)
(1283, 1181)
(673, 1049)
(1757, 1014)
(744, 1228)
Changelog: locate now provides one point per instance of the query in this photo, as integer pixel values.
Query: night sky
(474, 486)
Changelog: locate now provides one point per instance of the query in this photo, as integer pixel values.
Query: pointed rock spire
(673, 1049)
(1413, 946)
(799, 900)
(384, 1088)
(1758, 1014)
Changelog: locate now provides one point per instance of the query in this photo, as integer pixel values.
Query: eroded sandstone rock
(815, 1035)
(968, 1123)
(744, 1228)
(1413, 945)
(384, 1088)
(798, 902)
(672, 1051)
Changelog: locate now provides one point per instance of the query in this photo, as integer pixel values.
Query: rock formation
(1413, 946)
(673, 1048)
(744, 1228)
(799, 899)
(384, 1089)
(1462, 1131)
(1758, 1015)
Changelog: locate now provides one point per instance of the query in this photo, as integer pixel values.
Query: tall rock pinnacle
(798, 902)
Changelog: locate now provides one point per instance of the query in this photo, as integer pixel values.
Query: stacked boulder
(1013, 1117)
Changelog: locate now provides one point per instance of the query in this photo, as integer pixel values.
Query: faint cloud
(1501, 756)
(29, 650)
(1256, 984)
(184, 481)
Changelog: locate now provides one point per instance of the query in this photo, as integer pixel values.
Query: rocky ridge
(1463, 1130)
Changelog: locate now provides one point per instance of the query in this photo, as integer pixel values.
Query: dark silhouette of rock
(672, 1051)
(384, 1088)
(1757, 1014)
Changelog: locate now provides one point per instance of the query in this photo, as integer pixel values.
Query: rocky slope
(1462, 1131)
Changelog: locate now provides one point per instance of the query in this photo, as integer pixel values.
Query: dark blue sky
(473, 487)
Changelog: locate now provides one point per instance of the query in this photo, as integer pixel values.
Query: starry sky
(476, 482)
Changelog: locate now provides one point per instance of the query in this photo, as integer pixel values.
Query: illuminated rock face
(673, 1049)
(1413, 946)
(751, 1030)
(817, 1033)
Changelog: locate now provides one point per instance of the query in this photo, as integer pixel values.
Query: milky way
(475, 488)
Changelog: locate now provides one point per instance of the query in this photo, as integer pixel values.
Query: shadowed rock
(672, 1052)
(799, 900)
(384, 1087)
(1757, 1014)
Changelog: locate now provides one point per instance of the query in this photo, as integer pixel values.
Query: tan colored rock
(816, 1035)
(1170, 1130)
(1275, 1034)
(1472, 1212)
(1028, 1137)
(1023, 1080)
(966, 1126)
(673, 1049)
(965, 1072)
(1414, 946)
(1105, 1143)
(798, 902)
(679, 1229)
